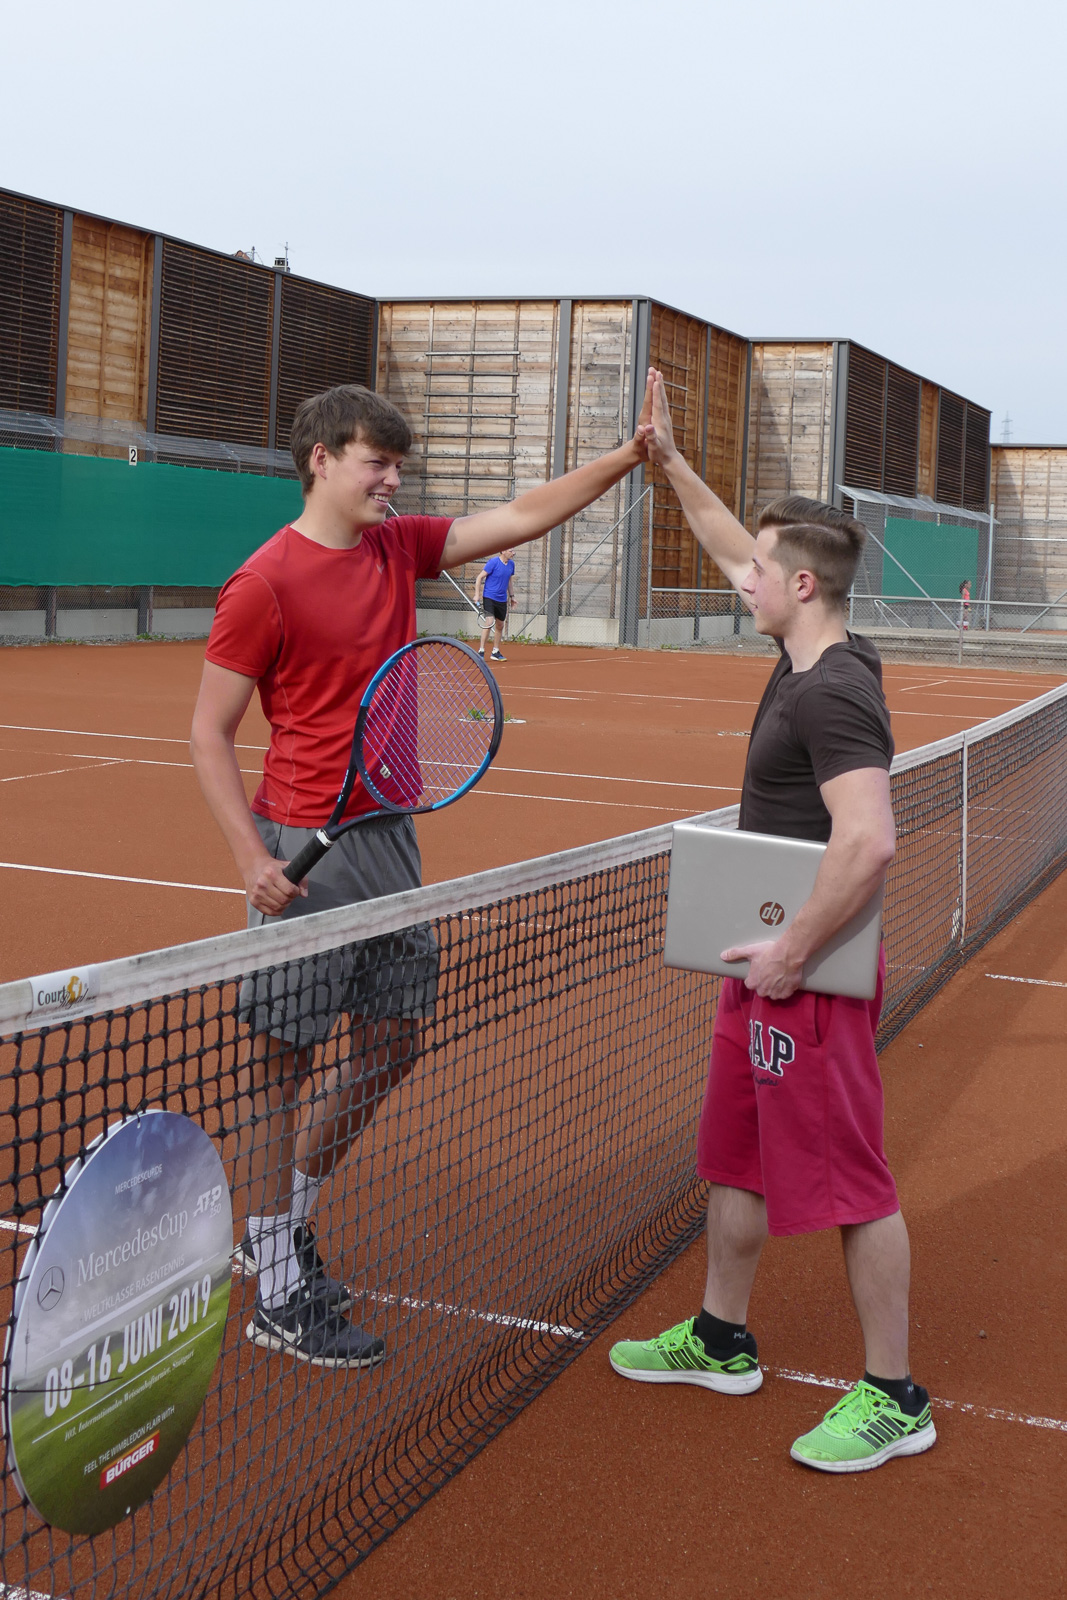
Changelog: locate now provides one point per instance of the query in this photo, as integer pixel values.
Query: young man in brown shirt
(790, 1136)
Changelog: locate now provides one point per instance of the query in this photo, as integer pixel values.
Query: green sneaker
(863, 1430)
(678, 1356)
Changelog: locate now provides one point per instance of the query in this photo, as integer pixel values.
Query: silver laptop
(729, 888)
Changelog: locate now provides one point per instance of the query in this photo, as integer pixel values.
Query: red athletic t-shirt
(312, 626)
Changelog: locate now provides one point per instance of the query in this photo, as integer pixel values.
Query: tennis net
(528, 1180)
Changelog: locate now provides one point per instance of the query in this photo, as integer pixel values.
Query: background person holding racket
(492, 592)
(308, 620)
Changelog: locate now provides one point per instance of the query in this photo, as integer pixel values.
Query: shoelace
(675, 1338)
(856, 1409)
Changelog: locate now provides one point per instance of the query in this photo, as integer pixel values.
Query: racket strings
(429, 727)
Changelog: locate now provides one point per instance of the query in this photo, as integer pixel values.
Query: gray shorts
(391, 976)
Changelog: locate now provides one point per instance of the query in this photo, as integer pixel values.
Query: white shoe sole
(279, 1341)
(721, 1382)
(913, 1444)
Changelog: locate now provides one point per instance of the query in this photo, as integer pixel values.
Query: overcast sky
(889, 173)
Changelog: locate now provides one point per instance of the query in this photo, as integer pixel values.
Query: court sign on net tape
(529, 1177)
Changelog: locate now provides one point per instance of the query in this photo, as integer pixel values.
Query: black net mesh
(528, 1077)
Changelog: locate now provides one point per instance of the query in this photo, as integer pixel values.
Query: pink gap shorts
(793, 1108)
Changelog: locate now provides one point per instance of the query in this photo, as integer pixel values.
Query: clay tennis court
(601, 1487)
(608, 1490)
(98, 786)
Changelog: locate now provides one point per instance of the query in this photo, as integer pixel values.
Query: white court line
(17, 1227)
(946, 716)
(989, 1413)
(562, 1331)
(115, 877)
(629, 694)
(1045, 983)
(568, 800)
(980, 699)
(601, 777)
(497, 1318)
(185, 766)
(526, 772)
(20, 777)
(82, 733)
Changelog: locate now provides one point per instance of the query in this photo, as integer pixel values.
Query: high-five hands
(654, 429)
(644, 419)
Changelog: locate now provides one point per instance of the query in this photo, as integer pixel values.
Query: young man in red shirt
(790, 1138)
(307, 620)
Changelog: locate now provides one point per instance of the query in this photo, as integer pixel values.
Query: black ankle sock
(721, 1338)
(910, 1397)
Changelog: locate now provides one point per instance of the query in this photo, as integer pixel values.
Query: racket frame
(324, 838)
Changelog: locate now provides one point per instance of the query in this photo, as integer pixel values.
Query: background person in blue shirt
(492, 591)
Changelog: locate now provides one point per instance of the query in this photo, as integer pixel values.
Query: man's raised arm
(717, 529)
(538, 510)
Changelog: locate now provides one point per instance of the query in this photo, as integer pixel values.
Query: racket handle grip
(306, 858)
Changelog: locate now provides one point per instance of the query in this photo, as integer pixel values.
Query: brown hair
(338, 416)
(826, 541)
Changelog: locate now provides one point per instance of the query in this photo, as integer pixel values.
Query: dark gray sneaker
(307, 1328)
(339, 1295)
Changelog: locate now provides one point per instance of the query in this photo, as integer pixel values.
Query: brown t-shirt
(810, 727)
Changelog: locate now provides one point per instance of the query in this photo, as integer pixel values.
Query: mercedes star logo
(50, 1289)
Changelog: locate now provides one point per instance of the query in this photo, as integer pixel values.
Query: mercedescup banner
(119, 1316)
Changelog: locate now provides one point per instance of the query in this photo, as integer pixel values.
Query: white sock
(305, 1193)
(277, 1269)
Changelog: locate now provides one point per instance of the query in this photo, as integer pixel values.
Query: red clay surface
(610, 1490)
(602, 743)
(603, 1488)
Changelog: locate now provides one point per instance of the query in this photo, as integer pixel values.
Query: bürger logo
(771, 913)
(131, 1459)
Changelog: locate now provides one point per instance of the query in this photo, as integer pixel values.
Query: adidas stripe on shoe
(678, 1356)
(864, 1430)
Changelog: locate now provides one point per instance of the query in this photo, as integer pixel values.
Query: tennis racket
(429, 724)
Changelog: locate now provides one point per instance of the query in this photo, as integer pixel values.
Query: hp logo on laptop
(771, 913)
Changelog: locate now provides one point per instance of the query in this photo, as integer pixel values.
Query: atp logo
(771, 1053)
(771, 913)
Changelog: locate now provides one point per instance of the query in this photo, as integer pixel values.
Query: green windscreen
(78, 520)
(935, 558)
